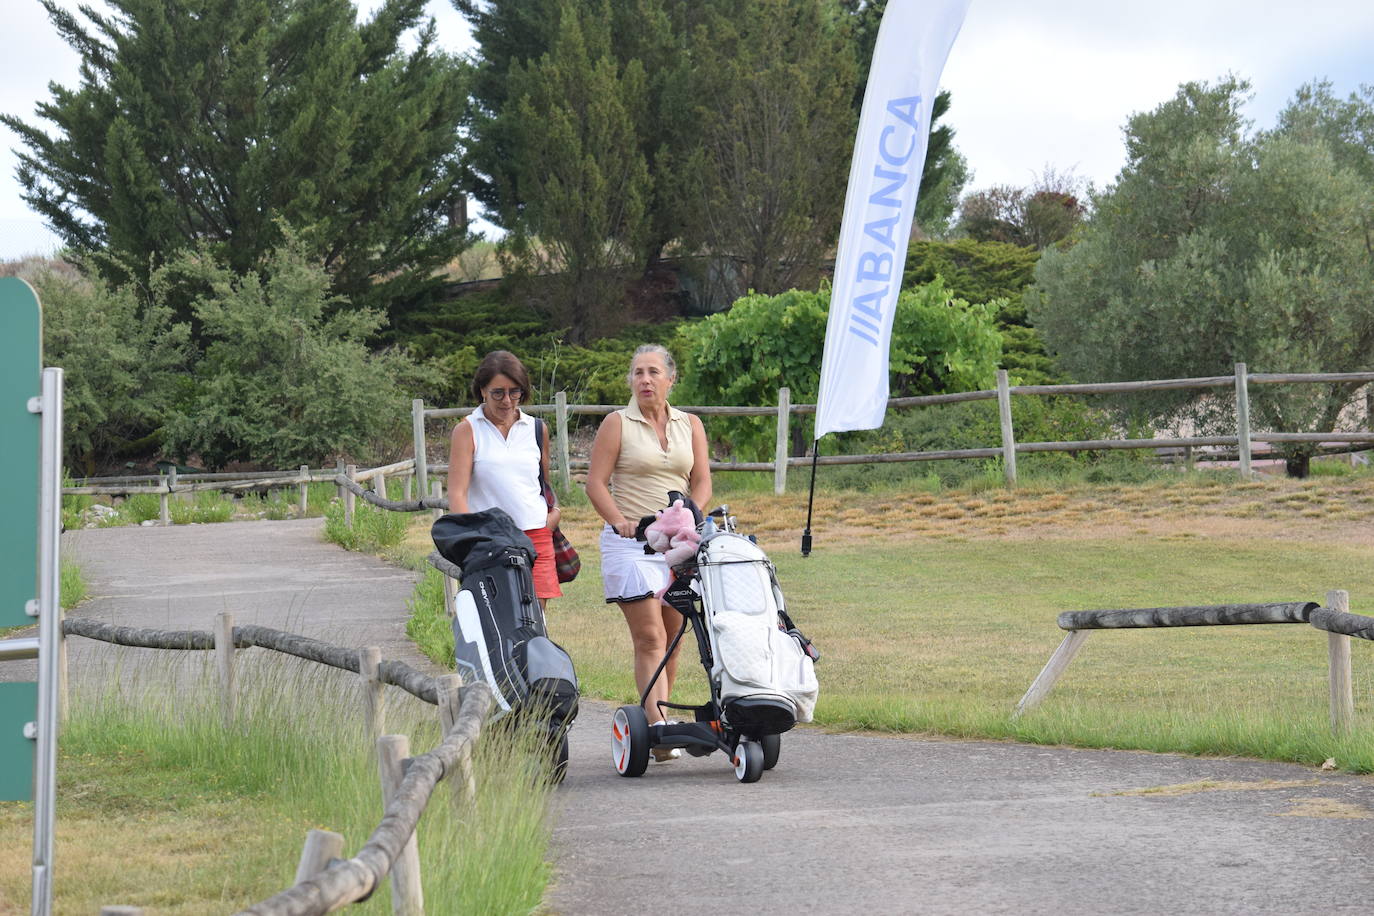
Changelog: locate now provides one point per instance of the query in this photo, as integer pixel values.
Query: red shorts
(545, 576)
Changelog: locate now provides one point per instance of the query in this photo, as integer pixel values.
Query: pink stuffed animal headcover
(674, 534)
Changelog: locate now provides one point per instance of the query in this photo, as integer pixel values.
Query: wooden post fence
(407, 899)
(780, 451)
(1008, 434)
(164, 515)
(1243, 420)
(351, 472)
(560, 406)
(374, 696)
(1079, 623)
(417, 428)
(304, 489)
(1338, 660)
(463, 788)
(224, 659)
(321, 847)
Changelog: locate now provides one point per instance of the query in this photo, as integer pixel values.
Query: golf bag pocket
(743, 649)
(551, 682)
(754, 658)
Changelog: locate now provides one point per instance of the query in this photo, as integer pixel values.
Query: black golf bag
(499, 634)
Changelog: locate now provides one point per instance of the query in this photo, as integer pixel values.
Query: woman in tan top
(640, 453)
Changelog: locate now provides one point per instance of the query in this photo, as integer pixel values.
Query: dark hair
(499, 362)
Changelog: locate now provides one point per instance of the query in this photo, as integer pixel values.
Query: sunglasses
(500, 394)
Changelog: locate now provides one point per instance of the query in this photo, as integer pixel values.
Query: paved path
(858, 824)
(845, 823)
(273, 573)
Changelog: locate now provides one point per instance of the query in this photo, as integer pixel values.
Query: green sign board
(18, 702)
(20, 377)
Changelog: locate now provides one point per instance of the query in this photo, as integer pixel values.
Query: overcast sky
(1033, 84)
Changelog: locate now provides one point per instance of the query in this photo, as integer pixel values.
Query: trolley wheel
(772, 747)
(630, 741)
(748, 761)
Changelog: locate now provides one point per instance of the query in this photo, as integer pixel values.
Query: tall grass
(373, 529)
(429, 625)
(72, 583)
(165, 808)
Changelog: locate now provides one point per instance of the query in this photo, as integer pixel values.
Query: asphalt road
(845, 823)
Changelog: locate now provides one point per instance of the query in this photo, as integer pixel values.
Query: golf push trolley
(759, 666)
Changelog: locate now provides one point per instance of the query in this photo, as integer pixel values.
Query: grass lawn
(934, 612)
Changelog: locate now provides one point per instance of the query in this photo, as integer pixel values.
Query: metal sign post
(30, 447)
(49, 639)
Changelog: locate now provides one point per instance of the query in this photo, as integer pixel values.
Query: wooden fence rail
(1009, 448)
(1334, 618)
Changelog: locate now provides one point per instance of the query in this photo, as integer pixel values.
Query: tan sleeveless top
(644, 472)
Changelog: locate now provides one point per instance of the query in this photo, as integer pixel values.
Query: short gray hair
(662, 351)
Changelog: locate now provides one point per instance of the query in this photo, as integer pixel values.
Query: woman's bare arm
(461, 449)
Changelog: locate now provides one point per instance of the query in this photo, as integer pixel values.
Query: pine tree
(202, 123)
(773, 89)
(577, 165)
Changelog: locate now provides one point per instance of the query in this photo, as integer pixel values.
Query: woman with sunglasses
(495, 461)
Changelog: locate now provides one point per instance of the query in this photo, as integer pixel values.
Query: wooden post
(417, 428)
(350, 471)
(406, 896)
(450, 596)
(1338, 658)
(379, 484)
(339, 468)
(410, 483)
(560, 405)
(224, 657)
(780, 448)
(305, 489)
(1243, 420)
(374, 692)
(320, 847)
(164, 515)
(1189, 461)
(436, 489)
(447, 687)
(450, 704)
(1008, 434)
(1044, 682)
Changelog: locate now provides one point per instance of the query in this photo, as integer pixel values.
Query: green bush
(121, 361)
(743, 356)
(287, 377)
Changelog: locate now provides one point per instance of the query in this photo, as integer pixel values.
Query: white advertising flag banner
(889, 153)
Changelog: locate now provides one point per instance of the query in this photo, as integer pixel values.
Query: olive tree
(1220, 244)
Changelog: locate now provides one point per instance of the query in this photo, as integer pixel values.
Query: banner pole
(810, 499)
